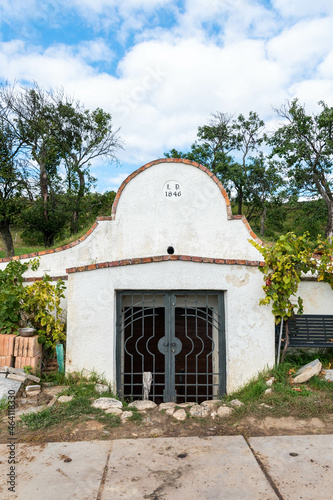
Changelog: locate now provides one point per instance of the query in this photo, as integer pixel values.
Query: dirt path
(158, 424)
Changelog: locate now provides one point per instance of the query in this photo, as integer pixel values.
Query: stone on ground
(143, 405)
(307, 371)
(101, 388)
(328, 374)
(224, 411)
(236, 403)
(126, 415)
(166, 406)
(106, 403)
(211, 404)
(114, 411)
(180, 414)
(65, 399)
(199, 411)
(32, 388)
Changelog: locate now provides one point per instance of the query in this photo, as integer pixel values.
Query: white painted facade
(195, 220)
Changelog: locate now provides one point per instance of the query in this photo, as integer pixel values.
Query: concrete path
(226, 468)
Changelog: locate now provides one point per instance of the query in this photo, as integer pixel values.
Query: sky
(161, 68)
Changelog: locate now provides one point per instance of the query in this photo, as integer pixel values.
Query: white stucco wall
(317, 297)
(195, 223)
(146, 222)
(91, 313)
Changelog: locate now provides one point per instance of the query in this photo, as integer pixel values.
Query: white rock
(143, 405)
(101, 388)
(265, 406)
(236, 403)
(52, 402)
(170, 411)
(270, 382)
(224, 411)
(166, 406)
(180, 414)
(211, 404)
(18, 378)
(106, 403)
(328, 374)
(186, 405)
(199, 411)
(114, 411)
(32, 388)
(65, 399)
(213, 414)
(307, 371)
(268, 391)
(126, 415)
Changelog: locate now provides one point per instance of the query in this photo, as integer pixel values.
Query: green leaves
(285, 263)
(37, 304)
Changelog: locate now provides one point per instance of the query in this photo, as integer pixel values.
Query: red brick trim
(193, 164)
(40, 278)
(162, 258)
(54, 250)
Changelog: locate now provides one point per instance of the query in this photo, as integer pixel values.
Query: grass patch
(82, 388)
(286, 399)
(136, 417)
(3, 404)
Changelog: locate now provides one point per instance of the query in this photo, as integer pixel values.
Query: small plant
(28, 369)
(136, 416)
(36, 305)
(285, 262)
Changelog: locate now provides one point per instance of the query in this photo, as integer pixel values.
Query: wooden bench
(308, 330)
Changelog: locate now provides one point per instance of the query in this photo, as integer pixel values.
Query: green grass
(286, 399)
(82, 388)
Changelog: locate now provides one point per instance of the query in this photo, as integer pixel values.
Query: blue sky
(162, 67)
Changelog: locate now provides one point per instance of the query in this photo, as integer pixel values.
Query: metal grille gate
(177, 336)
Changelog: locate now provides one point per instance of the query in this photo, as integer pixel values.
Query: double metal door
(178, 337)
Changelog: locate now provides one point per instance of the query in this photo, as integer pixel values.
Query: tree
(230, 149)
(12, 184)
(29, 112)
(59, 136)
(86, 135)
(285, 262)
(305, 146)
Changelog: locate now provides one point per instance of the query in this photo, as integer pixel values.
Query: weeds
(82, 388)
(286, 399)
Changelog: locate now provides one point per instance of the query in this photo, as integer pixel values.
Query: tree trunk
(48, 240)
(77, 210)
(328, 199)
(286, 342)
(74, 222)
(262, 221)
(329, 227)
(240, 202)
(7, 239)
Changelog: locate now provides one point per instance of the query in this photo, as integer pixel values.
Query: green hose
(60, 357)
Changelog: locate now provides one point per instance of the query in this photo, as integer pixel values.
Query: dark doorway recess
(178, 337)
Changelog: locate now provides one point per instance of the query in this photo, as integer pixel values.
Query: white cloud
(113, 183)
(303, 8)
(228, 55)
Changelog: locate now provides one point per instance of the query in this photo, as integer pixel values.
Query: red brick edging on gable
(163, 258)
(56, 250)
(115, 203)
(193, 164)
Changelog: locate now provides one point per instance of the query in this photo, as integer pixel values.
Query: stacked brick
(19, 352)
(7, 343)
(27, 352)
